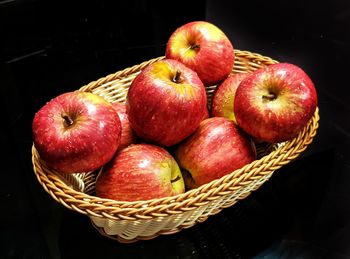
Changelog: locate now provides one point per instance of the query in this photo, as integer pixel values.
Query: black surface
(49, 47)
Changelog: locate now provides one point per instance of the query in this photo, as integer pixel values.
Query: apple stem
(175, 180)
(176, 78)
(269, 96)
(68, 120)
(195, 46)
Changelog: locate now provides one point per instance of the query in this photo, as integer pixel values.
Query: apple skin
(162, 111)
(274, 103)
(223, 98)
(76, 132)
(204, 48)
(218, 147)
(140, 172)
(206, 114)
(128, 136)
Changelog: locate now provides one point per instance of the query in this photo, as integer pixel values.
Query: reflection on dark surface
(49, 47)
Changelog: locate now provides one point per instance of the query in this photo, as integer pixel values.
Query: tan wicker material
(131, 221)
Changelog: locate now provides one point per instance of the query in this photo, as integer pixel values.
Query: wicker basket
(131, 221)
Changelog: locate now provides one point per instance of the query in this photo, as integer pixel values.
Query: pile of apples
(165, 139)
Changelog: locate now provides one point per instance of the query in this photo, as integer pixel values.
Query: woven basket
(132, 221)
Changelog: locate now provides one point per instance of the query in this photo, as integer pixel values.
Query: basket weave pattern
(131, 221)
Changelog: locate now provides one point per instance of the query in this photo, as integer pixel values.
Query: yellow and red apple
(166, 102)
(223, 98)
(216, 148)
(274, 103)
(140, 172)
(204, 48)
(128, 136)
(76, 132)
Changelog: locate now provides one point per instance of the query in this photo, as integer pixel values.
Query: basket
(142, 220)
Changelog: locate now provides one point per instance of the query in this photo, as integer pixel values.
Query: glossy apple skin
(128, 136)
(218, 147)
(140, 172)
(204, 48)
(282, 117)
(162, 111)
(223, 98)
(85, 145)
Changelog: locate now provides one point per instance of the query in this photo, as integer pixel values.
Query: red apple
(140, 172)
(76, 132)
(204, 48)
(206, 114)
(274, 103)
(166, 102)
(128, 135)
(218, 147)
(223, 98)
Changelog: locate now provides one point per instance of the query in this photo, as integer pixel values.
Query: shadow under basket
(141, 220)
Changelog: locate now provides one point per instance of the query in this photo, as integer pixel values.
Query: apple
(76, 132)
(128, 136)
(217, 148)
(223, 97)
(204, 48)
(140, 172)
(166, 102)
(274, 103)
(206, 114)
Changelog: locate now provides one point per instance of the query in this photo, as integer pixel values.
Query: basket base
(133, 240)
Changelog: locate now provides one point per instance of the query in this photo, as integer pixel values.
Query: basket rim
(191, 199)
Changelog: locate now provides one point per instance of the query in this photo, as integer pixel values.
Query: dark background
(50, 47)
